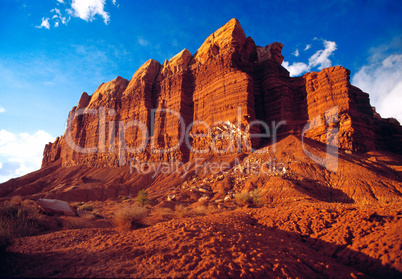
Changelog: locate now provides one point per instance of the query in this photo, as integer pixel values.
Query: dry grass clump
(181, 211)
(253, 198)
(71, 223)
(162, 211)
(204, 210)
(19, 218)
(200, 210)
(127, 218)
(87, 207)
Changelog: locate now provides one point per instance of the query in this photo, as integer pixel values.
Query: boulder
(52, 206)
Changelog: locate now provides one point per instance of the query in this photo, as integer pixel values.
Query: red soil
(307, 240)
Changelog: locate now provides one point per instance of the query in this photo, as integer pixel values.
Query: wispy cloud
(307, 47)
(382, 79)
(58, 17)
(143, 42)
(86, 10)
(320, 59)
(2, 110)
(45, 23)
(296, 53)
(21, 153)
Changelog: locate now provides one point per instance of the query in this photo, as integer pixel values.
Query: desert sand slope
(302, 240)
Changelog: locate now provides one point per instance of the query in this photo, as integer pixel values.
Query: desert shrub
(200, 210)
(204, 210)
(253, 198)
(127, 218)
(18, 218)
(243, 198)
(142, 198)
(87, 207)
(256, 198)
(78, 222)
(181, 211)
(161, 211)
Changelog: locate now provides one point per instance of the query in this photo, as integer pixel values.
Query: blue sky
(53, 50)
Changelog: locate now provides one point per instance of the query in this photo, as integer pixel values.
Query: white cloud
(296, 68)
(2, 109)
(84, 9)
(88, 9)
(320, 59)
(21, 153)
(45, 23)
(307, 47)
(296, 53)
(382, 79)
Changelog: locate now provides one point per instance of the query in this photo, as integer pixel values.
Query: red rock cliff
(225, 86)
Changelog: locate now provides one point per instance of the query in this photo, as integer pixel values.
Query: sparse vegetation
(142, 198)
(181, 210)
(253, 198)
(87, 207)
(127, 218)
(77, 204)
(19, 218)
(243, 198)
(79, 222)
(161, 211)
(257, 198)
(204, 210)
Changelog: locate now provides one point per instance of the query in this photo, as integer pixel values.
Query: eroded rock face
(228, 84)
(339, 105)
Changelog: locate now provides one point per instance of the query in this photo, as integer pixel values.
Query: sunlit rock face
(213, 98)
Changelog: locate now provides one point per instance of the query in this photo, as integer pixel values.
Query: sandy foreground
(305, 240)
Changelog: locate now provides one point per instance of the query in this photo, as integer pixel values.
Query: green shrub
(142, 198)
(127, 218)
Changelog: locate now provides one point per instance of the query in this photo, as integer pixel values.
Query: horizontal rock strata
(209, 102)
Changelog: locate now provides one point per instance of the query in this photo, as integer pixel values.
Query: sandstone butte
(335, 218)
